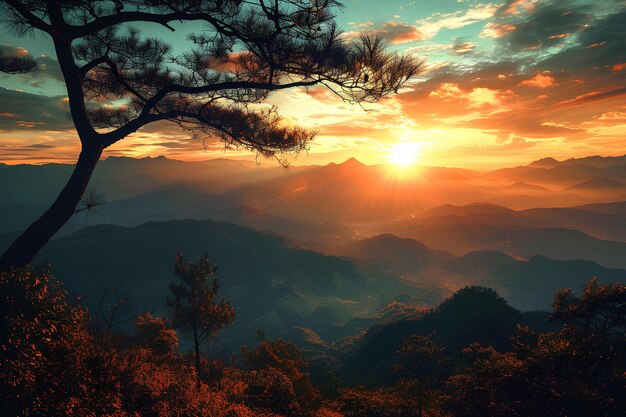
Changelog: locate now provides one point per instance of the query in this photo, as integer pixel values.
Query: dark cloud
(23, 111)
(544, 25)
(600, 46)
(462, 47)
(47, 68)
(38, 146)
(174, 145)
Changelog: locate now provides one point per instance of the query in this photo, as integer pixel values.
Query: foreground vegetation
(57, 358)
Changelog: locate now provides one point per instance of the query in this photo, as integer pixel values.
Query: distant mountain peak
(521, 185)
(352, 162)
(597, 184)
(548, 162)
(473, 208)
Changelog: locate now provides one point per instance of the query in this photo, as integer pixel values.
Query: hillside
(526, 284)
(471, 315)
(523, 241)
(273, 285)
(394, 254)
(598, 185)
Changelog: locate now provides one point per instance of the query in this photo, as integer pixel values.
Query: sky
(505, 83)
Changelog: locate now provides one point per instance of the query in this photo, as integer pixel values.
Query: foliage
(360, 402)
(271, 389)
(36, 323)
(194, 308)
(56, 361)
(284, 357)
(577, 371)
(420, 367)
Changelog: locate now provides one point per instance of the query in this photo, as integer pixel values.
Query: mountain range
(528, 284)
(330, 249)
(272, 284)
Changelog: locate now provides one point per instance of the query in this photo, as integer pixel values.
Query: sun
(403, 154)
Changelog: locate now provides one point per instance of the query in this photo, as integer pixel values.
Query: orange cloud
(476, 97)
(399, 32)
(592, 97)
(463, 48)
(394, 32)
(447, 91)
(617, 116)
(595, 45)
(496, 30)
(322, 94)
(433, 24)
(539, 81)
(618, 67)
(520, 5)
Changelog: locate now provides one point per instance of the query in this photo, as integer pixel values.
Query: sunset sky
(505, 83)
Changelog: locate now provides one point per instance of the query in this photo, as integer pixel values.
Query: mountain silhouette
(528, 284)
(599, 185)
(272, 284)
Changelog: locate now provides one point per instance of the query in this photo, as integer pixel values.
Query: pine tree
(195, 310)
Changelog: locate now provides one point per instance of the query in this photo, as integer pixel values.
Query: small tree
(195, 310)
(421, 363)
(119, 81)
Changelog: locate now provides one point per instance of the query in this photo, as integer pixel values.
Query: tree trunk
(420, 399)
(32, 240)
(196, 345)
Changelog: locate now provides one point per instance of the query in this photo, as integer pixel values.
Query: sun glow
(403, 154)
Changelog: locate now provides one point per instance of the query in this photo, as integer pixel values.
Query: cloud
(47, 67)
(477, 97)
(463, 48)
(539, 81)
(175, 144)
(524, 123)
(399, 32)
(592, 97)
(513, 7)
(432, 25)
(20, 110)
(423, 29)
(538, 25)
(393, 32)
(323, 94)
(613, 117)
(496, 30)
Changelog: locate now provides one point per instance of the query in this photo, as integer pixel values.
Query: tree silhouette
(195, 310)
(119, 81)
(577, 371)
(421, 363)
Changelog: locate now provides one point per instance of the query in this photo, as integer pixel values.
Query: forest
(473, 355)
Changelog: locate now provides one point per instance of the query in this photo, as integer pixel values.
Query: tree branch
(229, 85)
(29, 16)
(104, 22)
